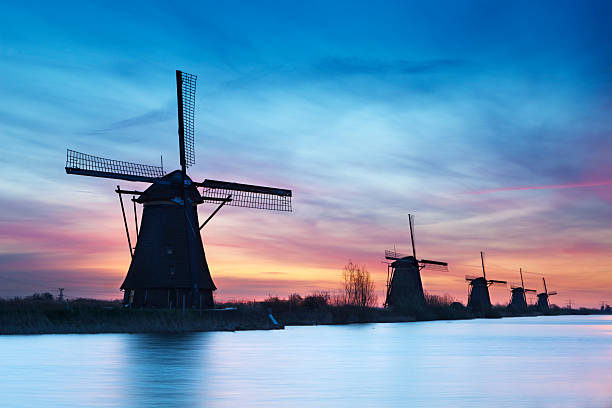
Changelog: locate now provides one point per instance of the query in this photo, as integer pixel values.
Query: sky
(491, 122)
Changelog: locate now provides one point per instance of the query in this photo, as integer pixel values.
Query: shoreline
(87, 316)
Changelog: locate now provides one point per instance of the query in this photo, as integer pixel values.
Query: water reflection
(164, 369)
(545, 361)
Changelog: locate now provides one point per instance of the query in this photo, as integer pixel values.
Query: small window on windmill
(171, 269)
(169, 249)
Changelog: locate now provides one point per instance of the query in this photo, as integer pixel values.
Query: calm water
(526, 362)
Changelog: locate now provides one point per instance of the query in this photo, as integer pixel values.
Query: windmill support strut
(127, 231)
(133, 192)
(135, 216)
(229, 198)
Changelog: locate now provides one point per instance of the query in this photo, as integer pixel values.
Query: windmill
(404, 286)
(168, 266)
(543, 303)
(518, 302)
(479, 300)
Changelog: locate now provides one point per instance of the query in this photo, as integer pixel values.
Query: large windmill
(479, 300)
(404, 285)
(168, 266)
(543, 303)
(518, 302)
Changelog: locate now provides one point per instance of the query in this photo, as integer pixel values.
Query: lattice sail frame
(188, 91)
(433, 267)
(249, 196)
(423, 263)
(81, 161)
(393, 255)
(248, 199)
(411, 223)
(515, 285)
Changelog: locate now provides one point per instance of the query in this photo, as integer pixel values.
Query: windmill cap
(405, 261)
(171, 189)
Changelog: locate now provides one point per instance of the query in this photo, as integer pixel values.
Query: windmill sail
(185, 93)
(514, 286)
(427, 261)
(246, 195)
(392, 255)
(494, 281)
(438, 266)
(87, 165)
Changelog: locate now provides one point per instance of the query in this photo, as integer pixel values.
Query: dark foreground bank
(44, 316)
(19, 316)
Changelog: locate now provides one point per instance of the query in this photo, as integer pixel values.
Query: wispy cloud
(148, 118)
(362, 66)
(545, 187)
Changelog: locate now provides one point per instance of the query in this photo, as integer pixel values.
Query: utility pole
(569, 304)
(60, 298)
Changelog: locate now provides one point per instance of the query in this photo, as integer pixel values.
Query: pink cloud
(545, 187)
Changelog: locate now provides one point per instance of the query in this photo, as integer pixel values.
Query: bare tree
(358, 286)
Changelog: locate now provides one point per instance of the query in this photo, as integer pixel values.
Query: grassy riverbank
(40, 315)
(26, 316)
(317, 309)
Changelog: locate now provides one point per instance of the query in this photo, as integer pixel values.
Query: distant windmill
(518, 303)
(543, 303)
(404, 286)
(479, 300)
(168, 265)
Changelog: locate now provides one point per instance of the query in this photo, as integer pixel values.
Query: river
(562, 361)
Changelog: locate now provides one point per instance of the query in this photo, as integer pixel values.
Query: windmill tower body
(543, 304)
(406, 287)
(479, 300)
(160, 274)
(543, 301)
(518, 302)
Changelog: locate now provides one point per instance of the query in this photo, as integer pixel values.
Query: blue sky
(367, 111)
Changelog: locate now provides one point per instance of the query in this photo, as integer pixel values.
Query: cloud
(545, 187)
(147, 118)
(361, 66)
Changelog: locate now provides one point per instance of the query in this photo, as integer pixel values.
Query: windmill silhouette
(479, 300)
(168, 264)
(543, 302)
(404, 285)
(518, 302)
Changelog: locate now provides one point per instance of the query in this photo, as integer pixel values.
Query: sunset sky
(490, 121)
